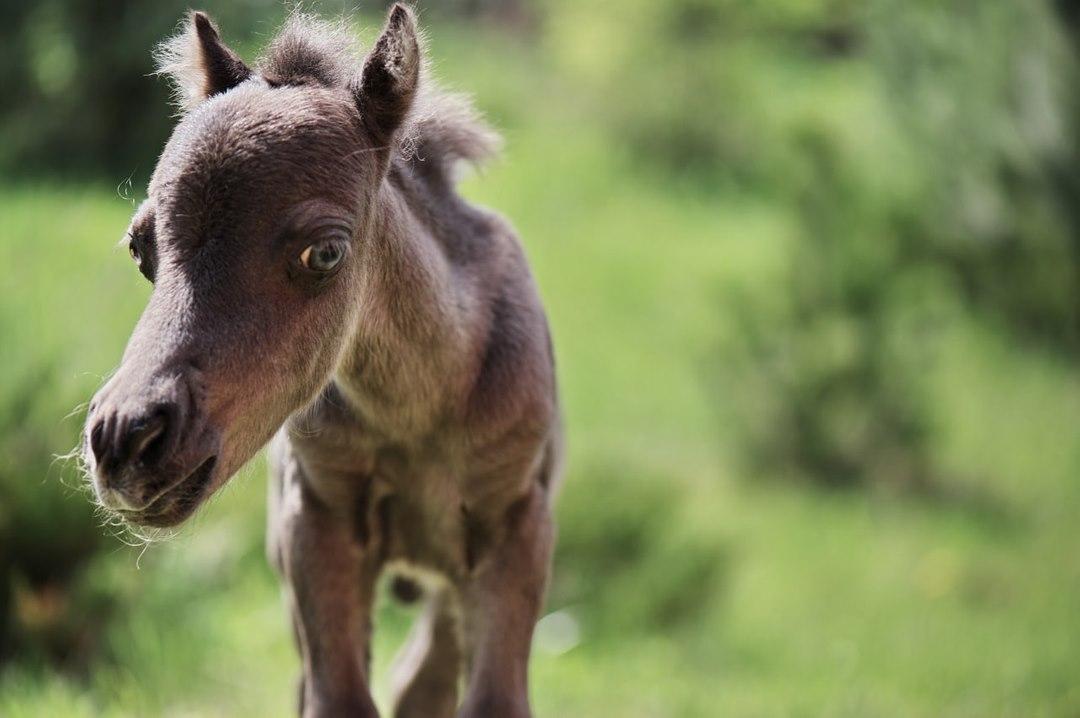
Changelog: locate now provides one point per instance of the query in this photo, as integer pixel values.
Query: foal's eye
(323, 256)
(140, 240)
(143, 254)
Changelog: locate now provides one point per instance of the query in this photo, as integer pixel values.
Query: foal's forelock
(441, 130)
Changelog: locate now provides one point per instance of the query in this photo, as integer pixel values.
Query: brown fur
(410, 393)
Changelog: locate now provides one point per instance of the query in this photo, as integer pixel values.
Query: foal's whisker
(82, 469)
(124, 188)
(79, 408)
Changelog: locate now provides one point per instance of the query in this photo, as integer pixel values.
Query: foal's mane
(443, 129)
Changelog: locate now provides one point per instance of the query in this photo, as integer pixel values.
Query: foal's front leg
(331, 579)
(501, 603)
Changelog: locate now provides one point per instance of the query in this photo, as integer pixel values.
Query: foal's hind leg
(425, 675)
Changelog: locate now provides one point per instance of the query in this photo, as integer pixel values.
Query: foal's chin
(180, 502)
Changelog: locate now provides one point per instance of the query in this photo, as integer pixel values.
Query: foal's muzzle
(149, 446)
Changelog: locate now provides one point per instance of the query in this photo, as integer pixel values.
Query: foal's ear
(390, 76)
(199, 63)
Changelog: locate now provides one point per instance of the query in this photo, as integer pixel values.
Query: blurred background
(813, 271)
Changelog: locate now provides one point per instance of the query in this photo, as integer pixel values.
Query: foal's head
(252, 234)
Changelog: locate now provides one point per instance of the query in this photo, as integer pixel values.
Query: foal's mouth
(179, 502)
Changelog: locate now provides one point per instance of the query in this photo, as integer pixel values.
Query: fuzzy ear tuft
(391, 75)
(198, 63)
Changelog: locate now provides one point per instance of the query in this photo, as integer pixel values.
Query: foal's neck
(408, 349)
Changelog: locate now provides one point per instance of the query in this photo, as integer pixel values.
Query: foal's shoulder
(515, 373)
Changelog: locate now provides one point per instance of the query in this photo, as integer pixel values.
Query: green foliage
(986, 91)
(45, 538)
(826, 371)
(622, 530)
(926, 154)
(75, 72)
(49, 534)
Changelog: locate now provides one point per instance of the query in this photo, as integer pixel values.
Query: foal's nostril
(97, 440)
(117, 442)
(146, 438)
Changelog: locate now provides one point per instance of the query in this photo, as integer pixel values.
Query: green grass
(695, 592)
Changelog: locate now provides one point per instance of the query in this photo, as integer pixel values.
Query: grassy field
(681, 588)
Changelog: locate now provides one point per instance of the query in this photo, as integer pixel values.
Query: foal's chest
(418, 507)
(409, 499)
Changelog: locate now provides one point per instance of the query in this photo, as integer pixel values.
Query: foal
(318, 280)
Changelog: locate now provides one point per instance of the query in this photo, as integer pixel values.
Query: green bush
(79, 68)
(621, 531)
(986, 91)
(824, 369)
(53, 357)
(926, 154)
(48, 533)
